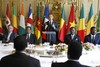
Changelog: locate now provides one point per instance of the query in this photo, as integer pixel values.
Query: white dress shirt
(8, 37)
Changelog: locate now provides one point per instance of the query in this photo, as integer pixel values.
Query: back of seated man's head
(74, 50)
(20, 43)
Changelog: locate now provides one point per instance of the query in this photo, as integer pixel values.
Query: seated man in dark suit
(93, 37)
(19, 58)
(72, 36)
(73, 54)
(31, 38)
(10, 36)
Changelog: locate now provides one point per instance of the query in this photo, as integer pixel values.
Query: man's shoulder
(6, 57)
(89, 35)
(74, 64)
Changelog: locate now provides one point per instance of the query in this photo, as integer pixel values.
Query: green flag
(98, 23)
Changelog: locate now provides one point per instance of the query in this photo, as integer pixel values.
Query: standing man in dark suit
(19, 58)
(93, 37)
(72, 36)
(73, 54)
(51, 26)
(10, 36)
(31, 38)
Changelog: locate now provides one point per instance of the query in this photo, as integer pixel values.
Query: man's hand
(53, 26)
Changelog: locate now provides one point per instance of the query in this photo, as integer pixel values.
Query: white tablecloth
(90, 58)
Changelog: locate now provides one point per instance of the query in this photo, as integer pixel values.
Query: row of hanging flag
(19, 28)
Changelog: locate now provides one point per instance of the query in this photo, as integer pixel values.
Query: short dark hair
(28, 27)
(74, 50)
(10, 25)
(72, 28)
(20, 43)
(92, 28)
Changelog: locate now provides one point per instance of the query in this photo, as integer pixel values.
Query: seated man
(73, 54)
(10, 36)
(31, 38)
(19, 58)
(72, 36)
(93, 37)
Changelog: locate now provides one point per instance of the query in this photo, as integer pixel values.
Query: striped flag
(30, 19)
(21, 29)
(81, 25)
(14, 20)
(90, 22)
(8, 16)
(46, 15)
(71, 21)
(38, 24)
(98, 23)
(1, 31)
(62, 28)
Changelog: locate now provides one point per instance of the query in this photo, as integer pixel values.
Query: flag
(71, 21)
(38, 24)
(14, 19)
(62, 28)
(46, 15)
(21, 29)
(98, 23)
(90, 22)
(81, 25)
(30, 19)
(8, 16)
(1, 31)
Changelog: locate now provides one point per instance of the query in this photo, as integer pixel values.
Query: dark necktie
(93, 39)
(28, 39)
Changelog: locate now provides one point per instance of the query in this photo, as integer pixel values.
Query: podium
(50, 36)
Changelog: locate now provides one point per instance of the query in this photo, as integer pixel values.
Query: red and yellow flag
(38, 24)
(14, 20)
(71, 21)
(1, 31)
(81, 25)
(62, 28)
(90, 22)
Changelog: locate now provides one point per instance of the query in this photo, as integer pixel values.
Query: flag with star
(38, 24)
(71, 21)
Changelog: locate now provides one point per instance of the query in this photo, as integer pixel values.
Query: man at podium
(51, 28)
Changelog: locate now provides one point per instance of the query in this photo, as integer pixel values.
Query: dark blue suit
(52, 37)
(32, 39)
(19, 59)
(68, 64)
(68, 39)
(89, 39)
(12, 37)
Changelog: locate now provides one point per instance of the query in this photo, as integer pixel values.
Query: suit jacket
(33, 39)
(12, 37)
(68, 64)
(52, 37)
(1, 36)
(19, 59)
(96, 40)
(68, 39)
